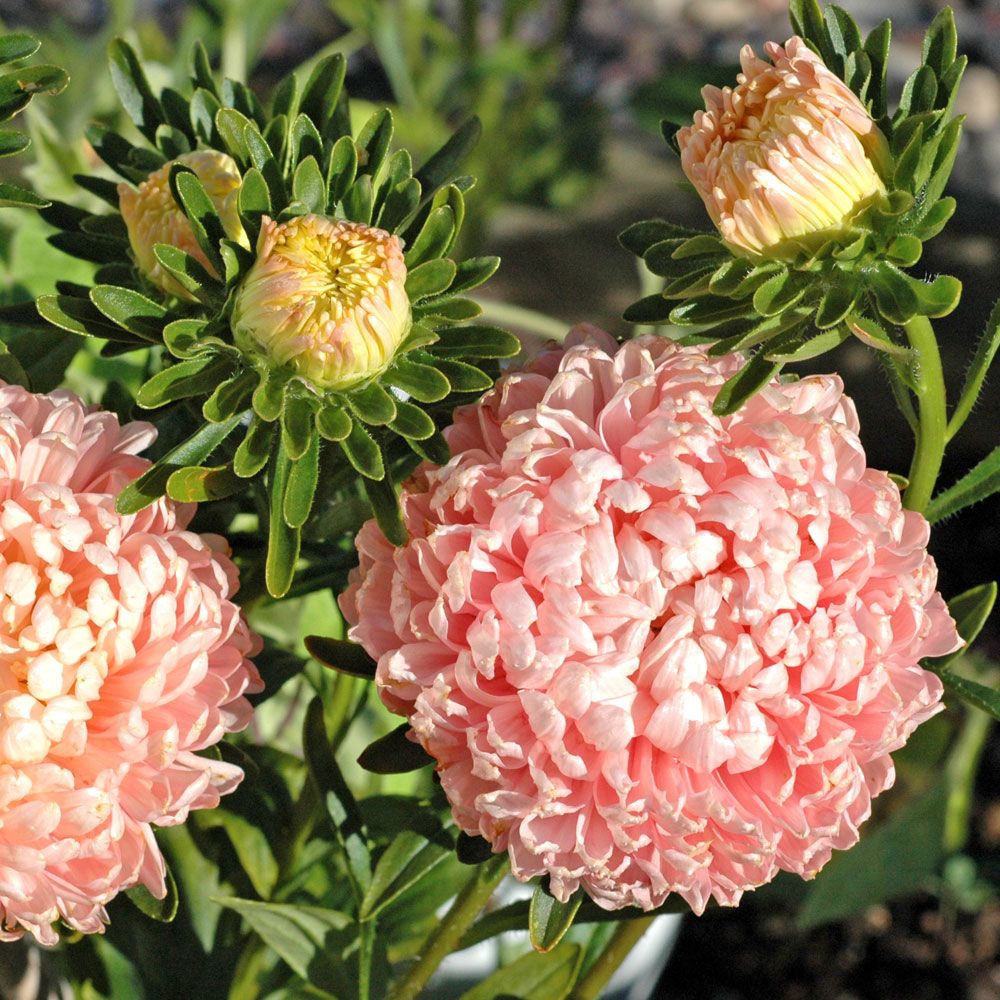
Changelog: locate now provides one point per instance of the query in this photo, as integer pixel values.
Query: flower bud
(152, 216)
(789, 152)
(326, 297)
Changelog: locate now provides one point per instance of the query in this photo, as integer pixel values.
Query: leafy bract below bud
(326, 297)
(153, 216)
(790, 151)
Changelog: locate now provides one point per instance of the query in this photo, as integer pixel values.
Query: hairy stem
(932, 428)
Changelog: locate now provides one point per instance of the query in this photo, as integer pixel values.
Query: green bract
(816, 292)
(249, 419)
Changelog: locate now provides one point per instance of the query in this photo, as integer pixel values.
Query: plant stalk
(624, 939)
(443, 939)
(932, 429)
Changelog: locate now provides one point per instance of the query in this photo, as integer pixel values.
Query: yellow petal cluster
(789, 152)
(327, 297)
(152, 216)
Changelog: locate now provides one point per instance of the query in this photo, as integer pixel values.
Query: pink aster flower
(651, 649)
(788, 152)
(121, 656)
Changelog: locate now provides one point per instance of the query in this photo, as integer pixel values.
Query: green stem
(932, 429)
(443, 939)
(624, 939)
(528, 320)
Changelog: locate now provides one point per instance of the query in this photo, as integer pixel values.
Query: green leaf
(905, 250)
(161, 910)
(230, 397)
(196, 484)
(877, 48)
(938, 298)
(133, 89)
(407, 861)
(333, 423)
(779, 293)
(17, 45)
(322, 91)
(342, 656)
(476, 342)
(749, 380)
(97, 249)
(422, 382)
(363, 453)
(297, 426)
(200, 211)
(304, 141)
(151, 484)
(188, 272)
(430, 278)
(254, 200)
(893, 859)
(184, 379)
(412, 422)
(533, 977)
(434, 238)
(80, 316)
(394, 753)
(940, 47)
(434, 449)
(873, 335)
(979, 695)
(442, 165)
(304, 936)
(384, 503)
(986, 350)
(548, 919)
(978, 484)
(358, 202)
(269, 397)
(373, 142)
(252, 848)
(12, 142)
(812, 347)
(371, 404)
(472, 273)
(970, 610)
(476, 851)
(653, 309)
(283, 541)
(308, 186)
(837, 302)
(302, 482)
(348, 826)
(463, 377)
(254, 450)
(343, 168)
(640, 236)
(130, 310)
(704, 310)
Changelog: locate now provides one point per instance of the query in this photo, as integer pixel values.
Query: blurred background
(571, 93)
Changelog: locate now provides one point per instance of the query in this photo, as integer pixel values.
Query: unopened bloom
(121, 656)
(788, 152)
(152, 216)
(326, 297)
(654, 650)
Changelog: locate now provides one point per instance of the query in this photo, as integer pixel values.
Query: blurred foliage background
(571, 93)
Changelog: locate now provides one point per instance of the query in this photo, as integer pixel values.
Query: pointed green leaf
(394, 753)
(422, 382)
(533, 976)
(358, 202)
(430, 278)
(970, 610)
(161, 910)
(322, 91)
(133, 89)
(464, 377)
(342, 656)
(190, 274)
(373, 142)
(151, 484)
(978, 484)
(434, 237)
(653, 309)
(442, 165)
(200, 211)
(80, 316)
(940, 46)
(384, 503)
(17, 45)
(548, 919)
(836, 303)
(183, 336)
(343, 168)
(407, 861)
(745, 383)
(640, 236)
(254, 200)
(184, 379)
(986, 350)
(130, 310)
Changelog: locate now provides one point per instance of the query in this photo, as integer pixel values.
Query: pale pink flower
(121, 657)
(651, 649)
(153, 216)
(326, 297)
(788, 152)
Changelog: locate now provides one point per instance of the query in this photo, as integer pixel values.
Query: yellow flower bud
(326, 297)
(789, 152)
(152, 216)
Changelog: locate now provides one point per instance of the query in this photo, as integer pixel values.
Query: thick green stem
(443, 939)
(624, 939)
(932, 430)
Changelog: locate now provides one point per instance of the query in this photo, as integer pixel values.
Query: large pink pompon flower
(651, 649)
(121, 656)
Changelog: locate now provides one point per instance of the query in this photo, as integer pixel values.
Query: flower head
(651, 649)
(121, 656)
(326, 297)
(152, 216)
(790, 151)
